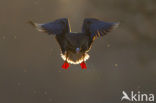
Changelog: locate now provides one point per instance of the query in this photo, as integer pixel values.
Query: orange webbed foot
(65, 65)
(83, 65)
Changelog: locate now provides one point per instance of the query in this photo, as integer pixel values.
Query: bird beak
(77, 50)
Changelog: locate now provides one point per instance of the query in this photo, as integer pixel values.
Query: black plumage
(74, 46)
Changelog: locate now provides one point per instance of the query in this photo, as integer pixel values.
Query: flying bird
(74, 46)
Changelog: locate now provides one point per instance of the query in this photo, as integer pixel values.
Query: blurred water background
(30, 62)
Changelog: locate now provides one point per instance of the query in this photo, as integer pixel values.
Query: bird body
(74, 46)
(74, 51)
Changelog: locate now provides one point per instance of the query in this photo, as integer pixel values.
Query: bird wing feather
(58, 26)
(97, 28)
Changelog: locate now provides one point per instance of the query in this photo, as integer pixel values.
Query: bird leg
(66, 64)
(83, 64)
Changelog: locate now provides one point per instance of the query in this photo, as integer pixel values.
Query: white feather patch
(75, 58)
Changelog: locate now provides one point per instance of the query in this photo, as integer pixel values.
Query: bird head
(77, 50)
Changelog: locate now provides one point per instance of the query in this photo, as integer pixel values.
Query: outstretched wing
(97, 28)
(59, 26)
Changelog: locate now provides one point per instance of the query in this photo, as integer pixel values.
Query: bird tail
(75, 58)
